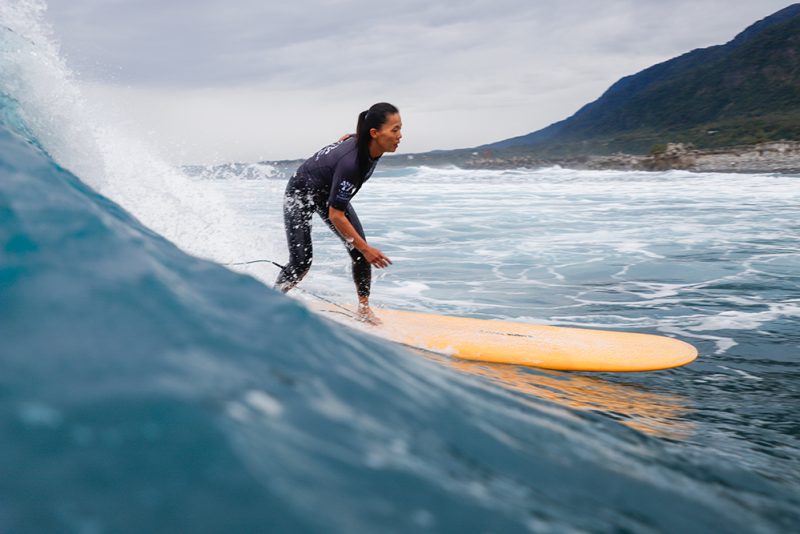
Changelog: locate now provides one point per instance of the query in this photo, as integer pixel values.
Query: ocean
(147, 385)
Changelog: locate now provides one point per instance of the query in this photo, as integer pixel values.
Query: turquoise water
(145, 387)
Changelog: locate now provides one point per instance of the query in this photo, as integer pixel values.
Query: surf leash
(278, 265)
(275, 263)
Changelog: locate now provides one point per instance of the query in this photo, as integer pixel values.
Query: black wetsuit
(329, 178)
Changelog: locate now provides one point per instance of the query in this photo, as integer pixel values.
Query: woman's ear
(373, 132)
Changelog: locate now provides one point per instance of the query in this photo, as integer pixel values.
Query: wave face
(145, 388)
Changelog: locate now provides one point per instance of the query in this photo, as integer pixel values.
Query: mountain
(743, 92)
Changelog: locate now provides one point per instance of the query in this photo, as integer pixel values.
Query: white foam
(742, 373)
(409, 289)
(81, 138)
(743, 320)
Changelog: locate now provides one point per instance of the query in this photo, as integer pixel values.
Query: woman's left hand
(376, 257)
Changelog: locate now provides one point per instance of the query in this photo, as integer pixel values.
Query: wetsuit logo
(346, 191)
(326, 150)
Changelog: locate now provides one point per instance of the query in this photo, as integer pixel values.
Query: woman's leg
(297, 210)
(362, 270)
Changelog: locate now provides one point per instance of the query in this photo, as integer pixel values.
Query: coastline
(781, 157)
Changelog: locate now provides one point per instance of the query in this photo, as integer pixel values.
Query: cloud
(216, 43)
(516, 64)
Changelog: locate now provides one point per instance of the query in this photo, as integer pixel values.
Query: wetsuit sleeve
(343, 185)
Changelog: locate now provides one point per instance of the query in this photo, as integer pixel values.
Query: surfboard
(548, 347)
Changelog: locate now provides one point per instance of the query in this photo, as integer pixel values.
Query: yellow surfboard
(548, 347)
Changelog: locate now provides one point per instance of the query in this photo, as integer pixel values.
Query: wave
(43, 101)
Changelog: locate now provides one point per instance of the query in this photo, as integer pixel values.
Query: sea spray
(47, 96)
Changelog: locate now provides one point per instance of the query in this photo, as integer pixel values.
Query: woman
(326, 183)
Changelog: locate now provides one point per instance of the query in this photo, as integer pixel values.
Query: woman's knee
(356, 256)
(361, 265)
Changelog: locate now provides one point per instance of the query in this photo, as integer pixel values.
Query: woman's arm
(343, 226)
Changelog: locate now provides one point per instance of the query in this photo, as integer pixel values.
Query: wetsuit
(329, 178)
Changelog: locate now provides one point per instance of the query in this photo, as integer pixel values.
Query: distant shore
(772, 157)
(781, 157)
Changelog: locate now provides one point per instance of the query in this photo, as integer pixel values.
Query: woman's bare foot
(366, 315)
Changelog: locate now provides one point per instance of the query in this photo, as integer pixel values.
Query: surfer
(326, 183)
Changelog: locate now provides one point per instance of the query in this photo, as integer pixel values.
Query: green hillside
(743, 92)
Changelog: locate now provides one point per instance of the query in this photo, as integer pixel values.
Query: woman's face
(388, 137)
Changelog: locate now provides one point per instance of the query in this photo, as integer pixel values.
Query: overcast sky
(248, 80)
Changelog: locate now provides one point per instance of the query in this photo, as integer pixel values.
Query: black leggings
(299, 204)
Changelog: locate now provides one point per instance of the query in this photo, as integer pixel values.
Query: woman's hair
(374, 117)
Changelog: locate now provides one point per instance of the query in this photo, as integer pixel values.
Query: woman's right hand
(376, 257)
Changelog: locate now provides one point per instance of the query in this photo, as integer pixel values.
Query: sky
(212, 81)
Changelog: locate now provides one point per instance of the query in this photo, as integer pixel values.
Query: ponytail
(374, 117)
